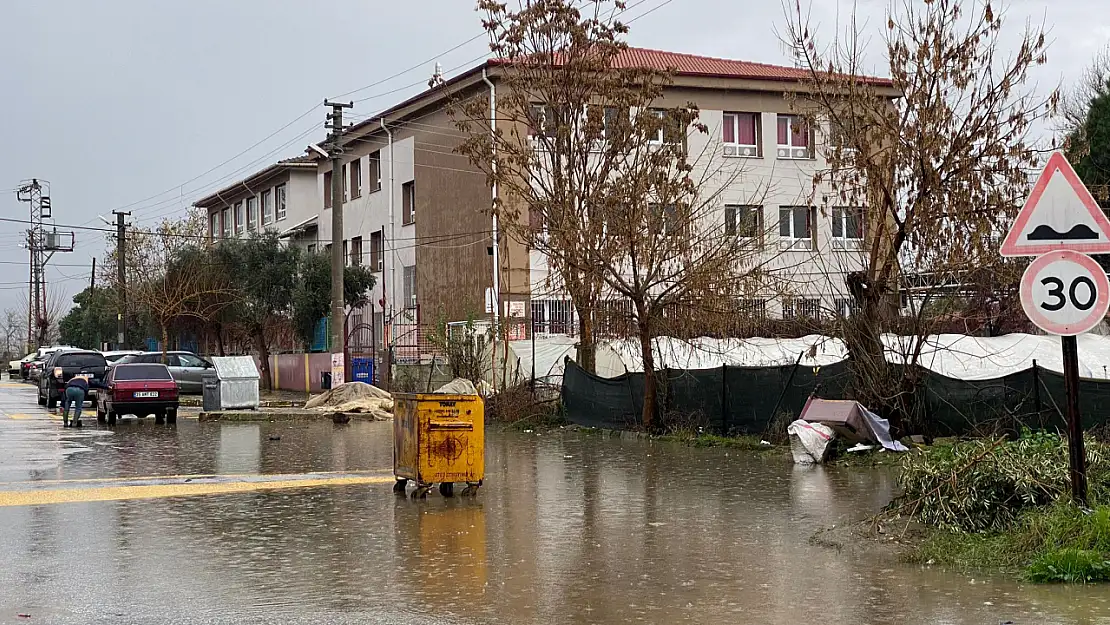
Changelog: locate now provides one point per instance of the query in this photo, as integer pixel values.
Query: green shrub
(985, 485)
(1070, 566)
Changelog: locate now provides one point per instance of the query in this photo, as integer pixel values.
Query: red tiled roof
(694, 65)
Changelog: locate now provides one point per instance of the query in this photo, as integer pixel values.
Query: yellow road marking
(195, 476)
(121, 493)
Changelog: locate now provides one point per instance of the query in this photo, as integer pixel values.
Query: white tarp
(953, 355)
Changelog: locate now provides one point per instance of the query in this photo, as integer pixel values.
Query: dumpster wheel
(447, 489)
(471, 489)
(421, 491)
(399, 485)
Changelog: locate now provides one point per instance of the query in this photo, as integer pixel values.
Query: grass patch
(702, 439)
(1069, 566)
(1057, 543)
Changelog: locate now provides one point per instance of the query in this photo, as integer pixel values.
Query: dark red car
(138, 389)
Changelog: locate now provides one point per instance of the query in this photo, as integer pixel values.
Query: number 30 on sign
(1065, 292)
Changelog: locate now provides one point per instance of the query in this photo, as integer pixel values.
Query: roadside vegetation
(1004, 504)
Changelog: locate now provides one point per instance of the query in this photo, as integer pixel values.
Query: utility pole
(42, 245)
(338, 313)
(121, 278)
(92, 276)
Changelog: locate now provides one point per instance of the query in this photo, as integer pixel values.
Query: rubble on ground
(358, 397)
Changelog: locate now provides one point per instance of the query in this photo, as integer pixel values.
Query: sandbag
(809, 442)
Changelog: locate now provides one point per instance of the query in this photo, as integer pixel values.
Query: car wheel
(171, 415)
(159, 418)
(51, 402)
(42, 400)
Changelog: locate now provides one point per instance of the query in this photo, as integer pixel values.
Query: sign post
(1063, 291)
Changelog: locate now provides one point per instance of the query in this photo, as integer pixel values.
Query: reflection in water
(568, 529)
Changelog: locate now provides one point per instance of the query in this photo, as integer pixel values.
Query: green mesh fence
(743, 400)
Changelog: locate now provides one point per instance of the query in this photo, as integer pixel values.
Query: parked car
(17, 367)
(186, 368)
(62, 366)
(140, 389)
(112, 357)
(34, 360)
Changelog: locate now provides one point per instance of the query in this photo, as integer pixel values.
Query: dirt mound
(354, 397)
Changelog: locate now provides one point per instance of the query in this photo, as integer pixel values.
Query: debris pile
(357, 397)
(458, 386)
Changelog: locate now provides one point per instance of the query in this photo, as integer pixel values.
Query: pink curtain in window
(728, 132)
(745, 134)
(784, 131)
(800, 135)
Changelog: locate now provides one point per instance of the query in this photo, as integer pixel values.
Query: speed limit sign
(1065, 292)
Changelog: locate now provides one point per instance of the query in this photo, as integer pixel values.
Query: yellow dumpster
(438, 439)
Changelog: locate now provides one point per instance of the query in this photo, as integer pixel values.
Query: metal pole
(1076, 453)
(338, 307)
(92, 275)
(121, 278)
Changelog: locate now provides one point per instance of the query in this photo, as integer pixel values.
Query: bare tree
(542, 151)
(171, 277)
(939, 170)
(1075, 102)
(14, 329)
(615, 182)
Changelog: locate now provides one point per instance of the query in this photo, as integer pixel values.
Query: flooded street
(569, 528)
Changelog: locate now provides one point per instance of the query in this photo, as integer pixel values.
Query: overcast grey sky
(115, 101)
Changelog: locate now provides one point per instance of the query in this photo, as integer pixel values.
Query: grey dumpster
(231, 385)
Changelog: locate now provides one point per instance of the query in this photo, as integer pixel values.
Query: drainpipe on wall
(496, 238)
(392, 227)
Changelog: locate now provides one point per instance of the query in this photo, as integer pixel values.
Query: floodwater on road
(569, 528)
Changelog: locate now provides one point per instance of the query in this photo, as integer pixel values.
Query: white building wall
(771, 182)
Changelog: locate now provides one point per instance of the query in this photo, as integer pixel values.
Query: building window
(376, 260)
(745, 222)
(279, 202)
(356, 251)
(752, 308)
(838, 136)
(408, 203)
(267, 201)
(796, 227)
(375, 165)
(356, 178)
(239, 221)
(252, 214)
(847, 227)
(311, 248)
(225, 221)
(667, 130)
(740, 134)
(795, 137)
(213, 226)
(542, 120)
(327, 189)
(408, 278)
(801, 308)
(666, 219)
(847, 307)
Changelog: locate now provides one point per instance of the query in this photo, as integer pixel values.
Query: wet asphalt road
(219, 523)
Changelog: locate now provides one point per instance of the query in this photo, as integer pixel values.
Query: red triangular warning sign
(1060, 214)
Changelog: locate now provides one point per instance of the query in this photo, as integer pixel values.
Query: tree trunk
(650, 386)
(221, 349)
(264, 358)
(587, 347)
(881, 387)
(165, 342)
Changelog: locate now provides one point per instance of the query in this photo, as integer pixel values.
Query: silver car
(186, 368)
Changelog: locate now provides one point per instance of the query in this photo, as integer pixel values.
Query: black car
(63, 366)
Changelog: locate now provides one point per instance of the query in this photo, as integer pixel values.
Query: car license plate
(87, 376)
(145, 394)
